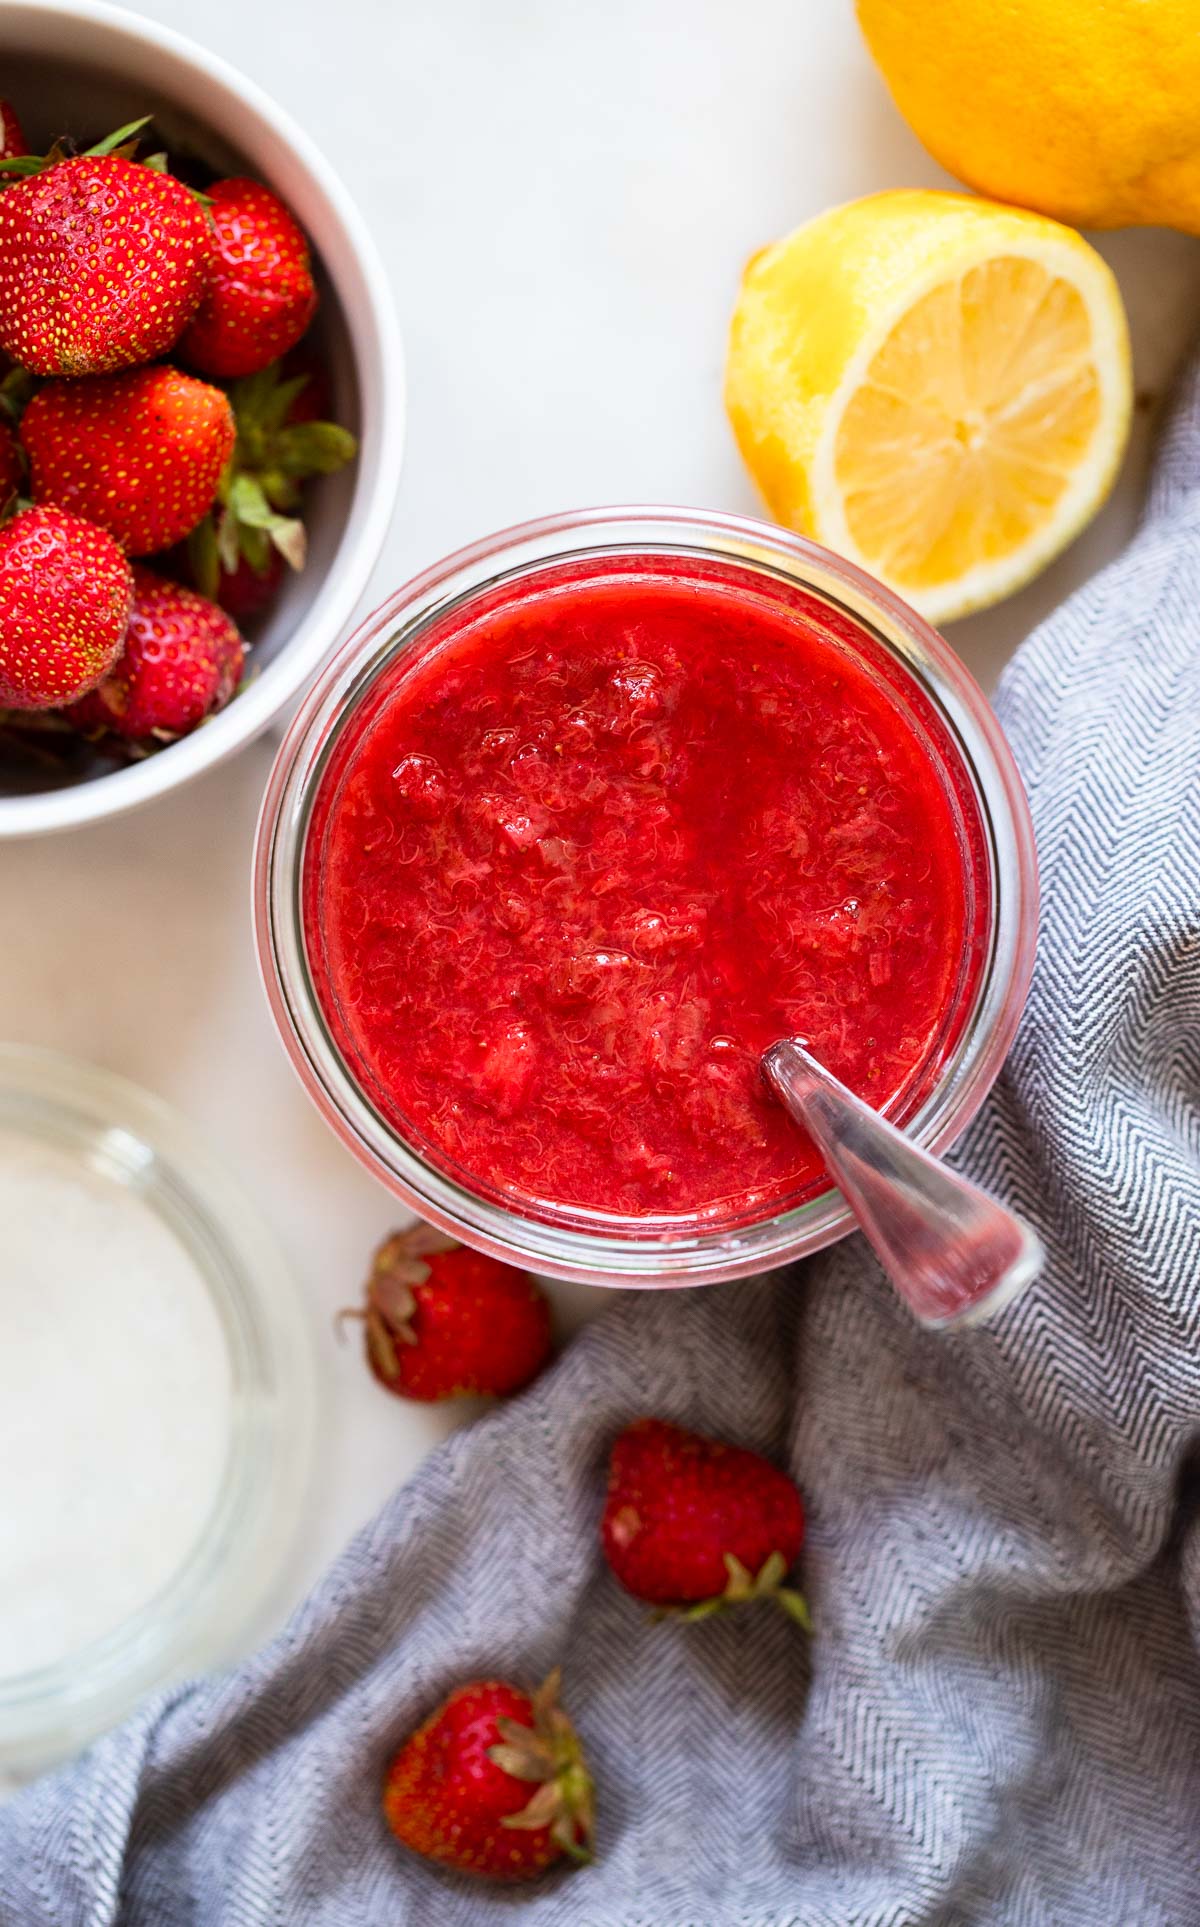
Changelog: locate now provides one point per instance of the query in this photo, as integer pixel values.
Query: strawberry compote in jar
(587, 818)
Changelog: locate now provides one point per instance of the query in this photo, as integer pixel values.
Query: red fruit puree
(603, 836)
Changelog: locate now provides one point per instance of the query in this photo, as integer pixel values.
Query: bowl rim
(371, 511)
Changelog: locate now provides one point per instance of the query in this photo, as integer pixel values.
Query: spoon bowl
(954, 1254)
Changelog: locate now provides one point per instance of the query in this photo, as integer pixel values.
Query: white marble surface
(565, 192)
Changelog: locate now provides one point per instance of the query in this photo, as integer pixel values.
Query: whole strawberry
(442, 1321)
(13, 143)
(261, 295)
(11, 468)
(65, 596)
(102, 264)
(182, 662)
(141, 453)
(494, 1783)
(694, 1524)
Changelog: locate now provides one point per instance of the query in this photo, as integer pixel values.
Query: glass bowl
(943, 700)
(122, 1140)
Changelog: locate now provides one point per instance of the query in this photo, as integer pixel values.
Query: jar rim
(680, 1254)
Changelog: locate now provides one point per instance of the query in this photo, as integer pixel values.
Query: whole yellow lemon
(1088, 110)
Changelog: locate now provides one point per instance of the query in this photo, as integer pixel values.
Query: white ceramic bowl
(82, 65)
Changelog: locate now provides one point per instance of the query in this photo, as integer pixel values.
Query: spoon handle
(952, 1252)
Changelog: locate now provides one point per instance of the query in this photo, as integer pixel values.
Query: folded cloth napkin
(997, 1718)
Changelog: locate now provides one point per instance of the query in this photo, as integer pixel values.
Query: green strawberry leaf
(204, 558)
(796, 1607)
(261, 489)
(122, 144)
(261, 402)
(288, 535)
(314, 448)
(248, 505)
(227, 542)
(281, 399)
(118, 139)
(281, 491)
(255, 546)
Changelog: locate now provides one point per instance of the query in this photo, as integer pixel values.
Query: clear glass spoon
(953, 1253)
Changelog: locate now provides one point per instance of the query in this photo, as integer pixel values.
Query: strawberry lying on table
(144, 412)
(442, 1321)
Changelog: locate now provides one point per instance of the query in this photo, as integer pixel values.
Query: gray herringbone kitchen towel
(998, 1718)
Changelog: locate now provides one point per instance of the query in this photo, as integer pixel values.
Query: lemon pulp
(974, 415)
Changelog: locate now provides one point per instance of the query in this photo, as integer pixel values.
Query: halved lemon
(935, 386)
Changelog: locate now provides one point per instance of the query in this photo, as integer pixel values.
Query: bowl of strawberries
(201, 412)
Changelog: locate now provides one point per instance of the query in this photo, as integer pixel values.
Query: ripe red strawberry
(182, 662)
(695, 1524)
(261, 296)
(12, 135)
(11, 469)
(65, 596)
(140, 453)
(102, 264)
(443, 1321)
(459, 1791)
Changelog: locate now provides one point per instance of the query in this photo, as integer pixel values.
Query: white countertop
(564, 193)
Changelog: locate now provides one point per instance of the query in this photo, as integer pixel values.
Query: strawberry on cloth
(442, 1321)
(696, 1524)
(493, 1783)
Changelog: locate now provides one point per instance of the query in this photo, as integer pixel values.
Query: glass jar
(923, 675)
